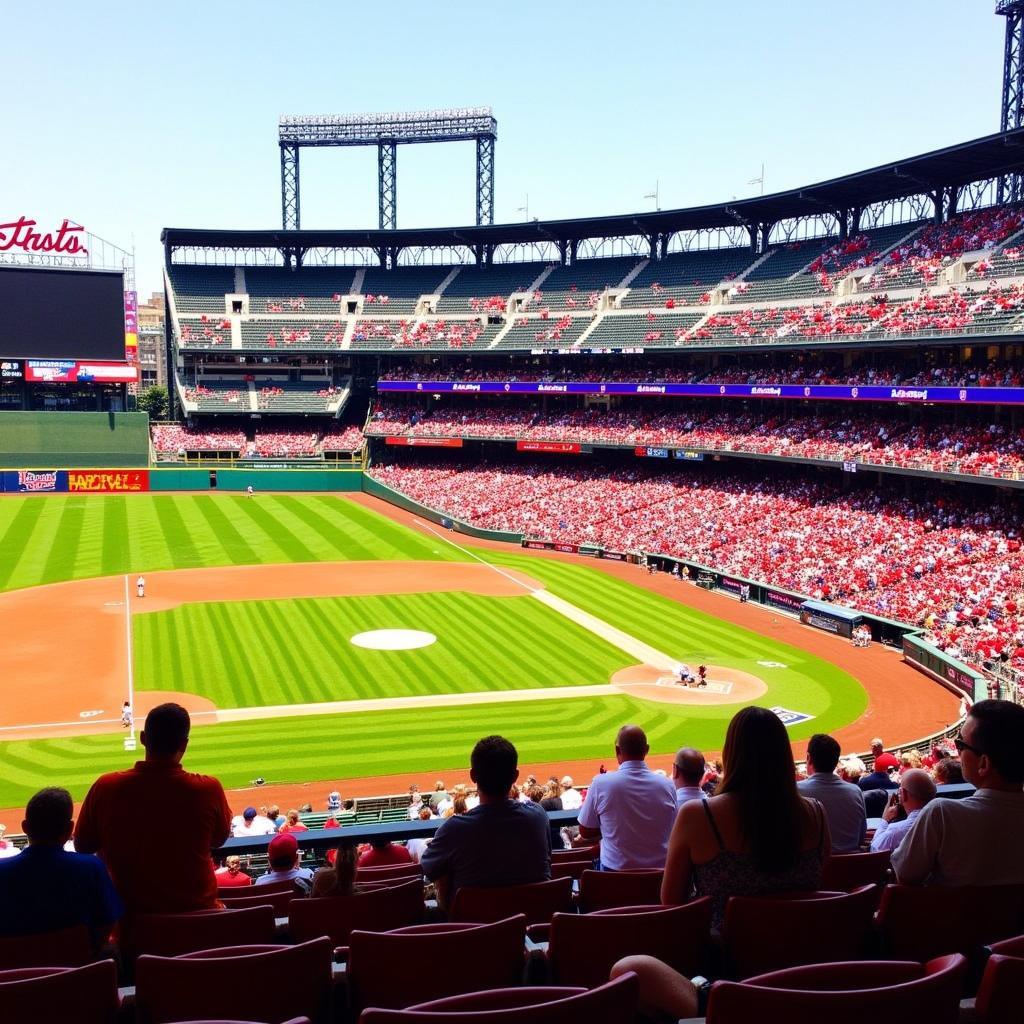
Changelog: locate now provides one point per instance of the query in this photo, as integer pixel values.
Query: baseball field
(332, 639)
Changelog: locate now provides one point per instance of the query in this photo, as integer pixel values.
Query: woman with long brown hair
(757, 835)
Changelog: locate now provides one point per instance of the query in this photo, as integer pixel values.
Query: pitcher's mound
(724, 686)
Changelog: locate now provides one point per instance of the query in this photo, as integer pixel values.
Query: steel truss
(387, 132)
(1012, 107)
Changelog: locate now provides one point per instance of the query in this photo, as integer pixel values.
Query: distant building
(152, 353)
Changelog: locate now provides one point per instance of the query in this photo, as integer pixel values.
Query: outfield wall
(73, 439)
(100, 480)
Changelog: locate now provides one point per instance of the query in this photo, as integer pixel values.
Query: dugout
(830, 617)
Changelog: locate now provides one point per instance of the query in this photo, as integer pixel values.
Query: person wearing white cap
(571, 799)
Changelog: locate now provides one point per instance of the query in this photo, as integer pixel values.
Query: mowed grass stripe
(274, 651)
(404, 741)
(142, 533)
(15, 543)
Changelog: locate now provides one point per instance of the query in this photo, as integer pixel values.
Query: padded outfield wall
(71, 439)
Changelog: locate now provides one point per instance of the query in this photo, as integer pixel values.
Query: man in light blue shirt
(843, 801)
(631, 810)
(917, 789)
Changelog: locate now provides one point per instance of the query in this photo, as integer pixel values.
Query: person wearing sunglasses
(978, 840)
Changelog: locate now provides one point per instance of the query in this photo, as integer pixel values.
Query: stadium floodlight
(387, 131)
(655, 194)
(1011, 113)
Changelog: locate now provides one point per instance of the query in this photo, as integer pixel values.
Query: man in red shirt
(193, 818)
(384, 854)
(232, 874)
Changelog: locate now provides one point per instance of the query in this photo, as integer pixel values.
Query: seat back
(283, 981)
(583, 947)
(612, 1003)
(458, 959)
(174, 934)
(1009, 947)
(389, 873)
(255, 897)
(601, 890)
(923, 922)
(87, 995)
(379, 910)
(1000, 998)
(538, 901)
(69, 947)
(845, 993)
(768, 933)
(577, 855)
(241, 891)
(845, 871)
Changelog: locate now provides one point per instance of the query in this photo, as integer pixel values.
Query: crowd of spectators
(989, 449)
(176, 439)
(953, 564)
(423, 333)
(939, 244)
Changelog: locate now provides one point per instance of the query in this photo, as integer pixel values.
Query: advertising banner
(538, 545)
(71, 371)
(788, 602)
(834, 392)
(108, 481)
(424, 442)
(651, 453)
(686, 455)
(34, 481)
(131, 327)
(12, 369)
(563, 447)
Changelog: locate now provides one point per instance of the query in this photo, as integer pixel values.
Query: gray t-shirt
(507, 843)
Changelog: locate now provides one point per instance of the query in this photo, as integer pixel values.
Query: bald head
(631, 743)
(918, 788)
(688, 767)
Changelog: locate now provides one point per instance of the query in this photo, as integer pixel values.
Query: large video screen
(61, 314)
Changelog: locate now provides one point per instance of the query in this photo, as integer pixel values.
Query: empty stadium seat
(1000, 998)
(393, 906)
(768, 933)
(69, 947)
(613, 1003)
(601, 890)
(389, 872)
(844, 993)
(253, 897)
(281, 980)
(175, 934)
(87, 995)
(583, 947)
(449, 959)
(538, 901)
(845, 871)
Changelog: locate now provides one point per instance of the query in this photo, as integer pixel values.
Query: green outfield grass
(246, 653)
(296, 650)
(66, 537)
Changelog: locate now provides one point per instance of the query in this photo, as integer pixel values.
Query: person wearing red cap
(283, 854)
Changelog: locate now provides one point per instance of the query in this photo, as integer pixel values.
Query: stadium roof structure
(990, 157)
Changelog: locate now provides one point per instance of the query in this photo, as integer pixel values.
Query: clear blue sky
(130, 117)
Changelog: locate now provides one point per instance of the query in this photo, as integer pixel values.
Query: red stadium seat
(87, 995)
(69, 947)
(772, 932)
(382, 910)
(538, 901)
(280, 982)
(1000, 998)
(613, 1003)
(846, 871)
(449, 960)
(280, 900)
(1009, 947)
(923, 922)
(233, 892)
(583, 947)
(389, 873)
(601, 890)
(844, 993)
(175, 934)
(578, 854)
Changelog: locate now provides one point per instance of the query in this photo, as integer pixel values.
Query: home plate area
(711, 686)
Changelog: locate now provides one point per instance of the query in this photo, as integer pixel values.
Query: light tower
(1012, 110)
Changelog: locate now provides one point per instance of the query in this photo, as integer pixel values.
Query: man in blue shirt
(843, 801)
(499, 842)
(46, 888)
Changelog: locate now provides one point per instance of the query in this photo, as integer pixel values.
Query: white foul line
(128, 652)
(610, 634)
